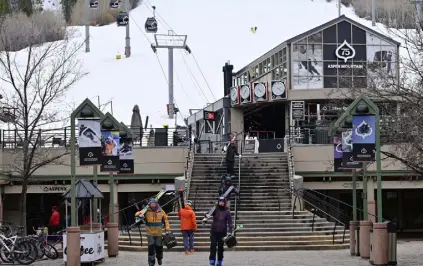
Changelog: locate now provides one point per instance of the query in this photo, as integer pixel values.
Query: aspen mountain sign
(345, 52)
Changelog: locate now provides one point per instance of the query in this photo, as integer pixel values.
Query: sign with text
(364, 138)
(54, 189)
(209, 116)
(91, 247)
(337, 154)
(89, 141)
(250, 146)
(110, 143)
(298, 110)
(126, 156)
(348, 161)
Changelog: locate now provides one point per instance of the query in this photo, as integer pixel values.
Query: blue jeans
(188, 239)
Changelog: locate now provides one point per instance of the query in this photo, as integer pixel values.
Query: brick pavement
(409, 254)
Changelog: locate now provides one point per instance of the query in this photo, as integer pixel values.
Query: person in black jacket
(224, 187)
(230, 157)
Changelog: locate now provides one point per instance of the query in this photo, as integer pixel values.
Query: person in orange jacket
(188, 226)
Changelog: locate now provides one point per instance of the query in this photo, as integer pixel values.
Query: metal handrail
(305, 190)
(291, 163)
(279, 202)
(336, 220)
(190, 165)
(236, 198)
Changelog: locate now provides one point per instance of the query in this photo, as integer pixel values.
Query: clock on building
(260, 91)
(278, 90)
(245, 93)
(234, 95)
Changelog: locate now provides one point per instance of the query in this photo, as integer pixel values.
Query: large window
(342, 56)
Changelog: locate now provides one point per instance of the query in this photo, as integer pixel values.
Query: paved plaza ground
(409, 254)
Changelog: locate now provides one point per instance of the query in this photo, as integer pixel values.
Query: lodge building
(286, 93)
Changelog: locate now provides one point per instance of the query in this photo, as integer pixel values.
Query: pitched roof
(84, 190)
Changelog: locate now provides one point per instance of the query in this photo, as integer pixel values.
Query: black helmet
(228, 178)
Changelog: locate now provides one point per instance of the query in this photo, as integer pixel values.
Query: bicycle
(44, 248)
(16, 249)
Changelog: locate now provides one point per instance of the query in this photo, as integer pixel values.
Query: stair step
(206, 243)
(247, 248)
(258, 233)
(179, 237)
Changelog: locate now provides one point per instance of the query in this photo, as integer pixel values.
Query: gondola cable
(195, 60)
(158, 59)
(192, 76)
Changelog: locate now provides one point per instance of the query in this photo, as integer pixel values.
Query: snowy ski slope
(217, 31)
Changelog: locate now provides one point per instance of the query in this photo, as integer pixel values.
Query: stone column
(353, 240)
(380, 247)
(112, 239)
(365, 227)
(73, 246)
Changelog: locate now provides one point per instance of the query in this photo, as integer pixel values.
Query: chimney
(227, 78)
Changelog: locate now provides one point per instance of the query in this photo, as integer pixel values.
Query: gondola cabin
(151, 25)
(114, 4)
(122, 18)
(93, 4)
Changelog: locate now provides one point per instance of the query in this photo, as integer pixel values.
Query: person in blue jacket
(221, 226)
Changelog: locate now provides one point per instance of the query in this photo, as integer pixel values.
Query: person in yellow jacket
(155, 220)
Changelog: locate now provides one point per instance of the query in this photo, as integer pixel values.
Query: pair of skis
(209, 214)
(139, 216)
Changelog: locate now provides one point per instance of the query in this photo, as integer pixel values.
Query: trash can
(365, 227)
(353, 238)
(372, 252)
(392, 243)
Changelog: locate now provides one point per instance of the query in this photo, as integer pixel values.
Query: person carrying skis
(230, 157)
(188, 226)
(155, 220)
(221, 226)
(227, 184)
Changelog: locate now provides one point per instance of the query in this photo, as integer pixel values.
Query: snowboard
(211, 211)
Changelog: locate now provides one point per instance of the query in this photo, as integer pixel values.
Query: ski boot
(219, 263)
(159, 261)
(212, 262)
(151, 263)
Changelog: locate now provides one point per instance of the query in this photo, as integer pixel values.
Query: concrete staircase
(264, 209)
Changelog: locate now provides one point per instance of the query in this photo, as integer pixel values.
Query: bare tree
(34, 82)
(395, 83)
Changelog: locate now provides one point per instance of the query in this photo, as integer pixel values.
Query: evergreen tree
(26, 7)
(4, 7)
(67, 6)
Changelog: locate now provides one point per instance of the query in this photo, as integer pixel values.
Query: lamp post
(364, 106)
(109, 123)
(86, 110)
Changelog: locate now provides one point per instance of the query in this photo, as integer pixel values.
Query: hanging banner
(348, 161)
(110, 142)
(126, 156)
(89, 142)
(364, 138)
(337, 154)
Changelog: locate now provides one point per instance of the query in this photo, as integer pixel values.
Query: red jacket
(54, 218)
(188, 219)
